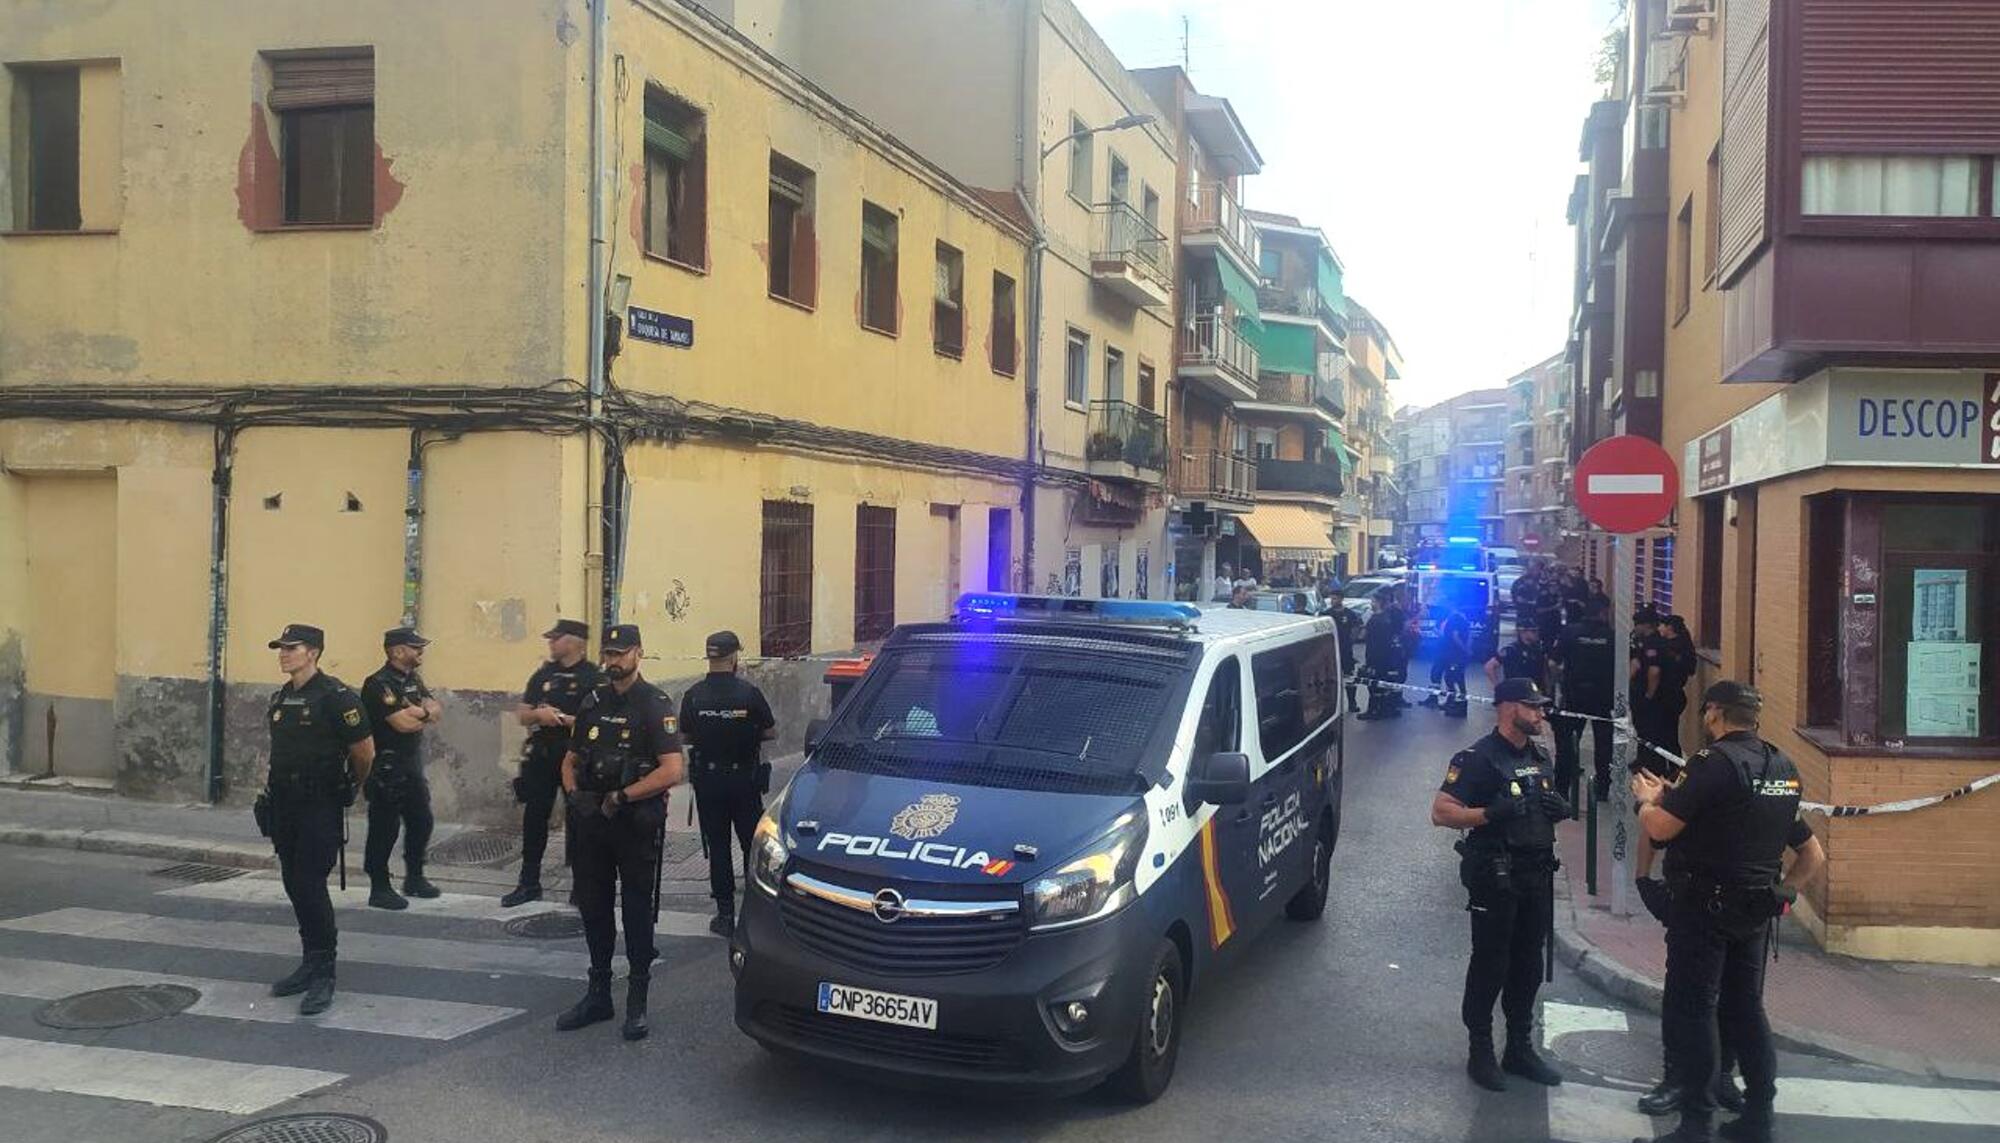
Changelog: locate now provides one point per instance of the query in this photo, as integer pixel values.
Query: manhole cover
(117, 1007)
(476, 847)
(195, 871)
(312, 1128)
(546, 926)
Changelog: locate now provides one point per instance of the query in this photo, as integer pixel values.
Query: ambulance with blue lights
(1031, 833)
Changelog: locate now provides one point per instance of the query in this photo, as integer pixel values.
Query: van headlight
(768, 855)
(1095, 884)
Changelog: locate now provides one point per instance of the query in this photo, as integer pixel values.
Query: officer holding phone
(727, 720)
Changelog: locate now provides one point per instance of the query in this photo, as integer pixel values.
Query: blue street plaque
(651, 325)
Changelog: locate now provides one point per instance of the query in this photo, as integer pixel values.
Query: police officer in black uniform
(399, 708)
(624, 755)
(1502, 791)
(726, 720)
(1648, 667)
(1730, 821)
(1678, 667)
(1383, 640)
(1524, 658)
(555, 692)
(320, 750)
(1584, 652)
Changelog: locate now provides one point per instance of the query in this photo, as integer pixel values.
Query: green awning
(1329, 284)
(1242, 292)
(1336, 444)
(1283, 347)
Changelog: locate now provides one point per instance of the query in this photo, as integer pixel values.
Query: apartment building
(295, 326)
(1423, 471)
(1373, 363)
(1537, 493)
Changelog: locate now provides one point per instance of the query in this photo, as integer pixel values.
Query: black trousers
(1569, 757)
(1715, 995)
(1508, 928)
(1667, 721)
(1454, 681)
(539, 783)
(305, 832)
(615, 860)
(401, 804)
(727, 802)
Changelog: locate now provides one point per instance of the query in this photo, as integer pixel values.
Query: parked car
(1359, 596)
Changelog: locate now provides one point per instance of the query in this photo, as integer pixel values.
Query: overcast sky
(1434, 141)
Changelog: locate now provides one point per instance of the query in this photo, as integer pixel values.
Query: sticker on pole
(1626, 484)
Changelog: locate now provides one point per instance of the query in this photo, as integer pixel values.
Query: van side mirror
(815, 732)
(1220, 779)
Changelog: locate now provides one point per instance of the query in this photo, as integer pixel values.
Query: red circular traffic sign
(1626, 484)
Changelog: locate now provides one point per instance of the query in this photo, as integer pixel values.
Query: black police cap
(1646, 614)
(1525, 623)
(1729, 692)
(403, 637)
(723, 644)
(576, 627)
(622, 637)
(1520, 690)
(300, 634)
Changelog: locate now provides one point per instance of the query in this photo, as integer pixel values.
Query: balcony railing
(1126, 243)
(1216, 477)
(1124, 433)
(1212, 340)
(1302, 390)
(1213, 210)
(1302, 302)
(1308, 476)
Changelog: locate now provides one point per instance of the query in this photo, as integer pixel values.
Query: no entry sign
(1626, 484)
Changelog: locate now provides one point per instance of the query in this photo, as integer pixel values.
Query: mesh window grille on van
(1298, 691)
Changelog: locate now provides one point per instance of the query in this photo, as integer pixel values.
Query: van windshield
(1016, 718)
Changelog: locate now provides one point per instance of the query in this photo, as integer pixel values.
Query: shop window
(46, 168)
(948, 303)
(1940, 575)
(1076, 368)
(785, 584)
(1002, 347)
(794, 254)
(676, 180)
(1709, 618)
(325, 104)
(878, 269)
(874, 572)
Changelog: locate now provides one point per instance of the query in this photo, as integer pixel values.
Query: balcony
(1126, 442)
(1351, 507)
(1129, 256)
(1219, 358)
(1322, 391)
(1212, 218)
(1302, 302)
(1223, 481)
(1300, 477)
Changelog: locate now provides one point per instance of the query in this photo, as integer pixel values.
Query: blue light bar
(1132, 612)
(1463, 540)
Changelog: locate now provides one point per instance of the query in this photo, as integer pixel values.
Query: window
(1298, 691)
(1147, 394)
(878, 269)
(47, 162)
(999, 549)
(1149, 206)
(676, 180)
(874, 572)
(1114, 374)
(1076, 368)
(794, 253)
(325, 104)
(1219, 730)
(1711, 207)
(785, 587)
(1709, 618)
(1266, 444)
(1270, 263)
(1826, 534)
(1002, 339)
(1121, 180)
(948, 303)
(1663, 572)
(1080, 180)
(1906, 186)
(1684, 259)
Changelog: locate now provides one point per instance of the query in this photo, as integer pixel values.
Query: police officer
(726, 721)
(1382, 639)
(320, 749)
(1524, 658)
(1730, 821)
(1454, 650)
(399, 707)
(1648, 667)
(1678, 667)
(549, 703)
(624, 755)
(1502, 791)
(1584, 651)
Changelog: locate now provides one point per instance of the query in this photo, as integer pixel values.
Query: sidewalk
(1925, 1019)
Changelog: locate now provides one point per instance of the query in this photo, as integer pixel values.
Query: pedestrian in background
(320, 752)
(549, 702)
(399, 707)
(726, 721)
(1225, 586)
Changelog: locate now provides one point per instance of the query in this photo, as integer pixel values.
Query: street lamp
(1120, 124)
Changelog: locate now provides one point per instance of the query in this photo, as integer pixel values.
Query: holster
(763, 777)
(261, 811)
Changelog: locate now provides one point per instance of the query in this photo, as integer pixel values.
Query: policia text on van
(1031, 833)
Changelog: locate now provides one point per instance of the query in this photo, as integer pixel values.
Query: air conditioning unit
(1691, 15)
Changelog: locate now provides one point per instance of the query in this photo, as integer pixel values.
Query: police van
(1031, 833)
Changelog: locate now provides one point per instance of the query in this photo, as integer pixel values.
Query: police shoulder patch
(351, 717)
(1451, 772)
(671, 724)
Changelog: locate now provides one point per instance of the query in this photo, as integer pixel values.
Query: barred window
(786, 587)
(874, 572)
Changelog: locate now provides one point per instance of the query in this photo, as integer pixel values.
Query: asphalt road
(1346, 1029)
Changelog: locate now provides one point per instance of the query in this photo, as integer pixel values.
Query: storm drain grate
(476, 847)
(546, 926)
(117, 1007)
(196, 872)
(310, 1128)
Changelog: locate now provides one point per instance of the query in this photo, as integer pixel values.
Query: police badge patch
(926, 817)
(671, 724)
(351, 717)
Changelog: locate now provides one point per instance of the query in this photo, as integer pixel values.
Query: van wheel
(1147, 1071)
(1310, 901)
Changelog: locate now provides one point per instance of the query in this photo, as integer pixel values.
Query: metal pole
(1621, 709)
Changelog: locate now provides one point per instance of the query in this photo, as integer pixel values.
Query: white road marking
(1581, 1113)
(1559, 1020)
(266, 889)
(283, 940)
(241, 1000)
(154, 1077)
(1844, 1099)
(1627, 484)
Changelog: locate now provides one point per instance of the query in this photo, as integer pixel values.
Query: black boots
(295, 982)
(414, 885)
(1664, 1099)
(593, 1008)
(1481, 1066)
(525, 892)
(1521, 1060)
(383, 895)
(723, 924)
(319, 984)
(1689, 1131)
(1756, 1125)
(635, 1008)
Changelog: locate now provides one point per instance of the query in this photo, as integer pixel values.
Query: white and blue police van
(1031, 833)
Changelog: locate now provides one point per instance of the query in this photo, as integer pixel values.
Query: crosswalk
(236, 1050)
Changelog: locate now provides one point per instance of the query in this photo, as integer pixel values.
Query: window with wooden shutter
(794, 258)
(47, 163)
(676, 180)
(325, 104)
(878, 269)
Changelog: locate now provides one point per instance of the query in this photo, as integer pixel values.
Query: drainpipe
(1027, 117)
(413, 529)
(594, 301)
(218, 601)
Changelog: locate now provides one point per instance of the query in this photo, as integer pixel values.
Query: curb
(236, 855)
(1609, 976)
